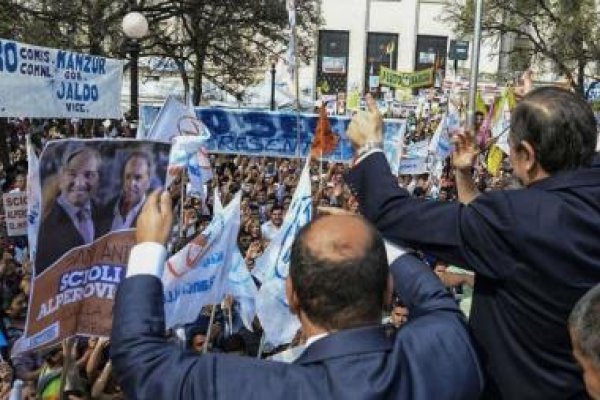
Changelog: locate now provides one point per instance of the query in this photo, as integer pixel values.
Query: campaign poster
(15, 213)
(92, 194)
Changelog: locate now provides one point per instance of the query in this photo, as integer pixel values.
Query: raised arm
(418, 287)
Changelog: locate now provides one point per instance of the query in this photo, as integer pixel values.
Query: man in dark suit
(535, 250)
(74, 219)
(339, 278)
(137, 174)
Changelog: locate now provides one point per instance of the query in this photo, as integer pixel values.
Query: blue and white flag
(34, 198)
(240, 284)
(272, 268)
(188, 153)
(174, 119)
(197, 274)
(440, 144)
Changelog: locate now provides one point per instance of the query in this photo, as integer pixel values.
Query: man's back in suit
(534, 250)
(430, 357)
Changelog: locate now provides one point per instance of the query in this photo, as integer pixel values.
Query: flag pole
(208, 331)
(475, 66)
(261, 346)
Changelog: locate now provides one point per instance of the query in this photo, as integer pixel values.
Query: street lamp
(135, 27)
(273, 71)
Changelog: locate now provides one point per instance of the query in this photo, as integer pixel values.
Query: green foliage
(564, 32)
(227, 41)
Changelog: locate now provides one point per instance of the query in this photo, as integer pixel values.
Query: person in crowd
(75, 218)
(584, 326)
(137, 174)
(20, 183)
(339, 277)
(49, 381)
(534, 250)
(270, 228)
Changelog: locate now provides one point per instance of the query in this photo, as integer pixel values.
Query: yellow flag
(494, 160)
(480, 104)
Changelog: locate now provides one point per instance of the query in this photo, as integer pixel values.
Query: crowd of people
(267, 185)
(82, 368)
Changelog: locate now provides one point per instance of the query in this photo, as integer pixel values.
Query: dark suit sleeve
(476, 236)
(418, 287)
(147, 366)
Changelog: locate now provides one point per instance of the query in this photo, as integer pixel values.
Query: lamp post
(135, 27)
(273, 71)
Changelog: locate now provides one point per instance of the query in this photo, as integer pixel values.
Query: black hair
(340, 294)
(559, 125)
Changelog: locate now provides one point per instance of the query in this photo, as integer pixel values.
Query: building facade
(360, 36)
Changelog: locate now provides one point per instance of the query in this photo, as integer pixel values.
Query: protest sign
(264, 133)
(41, 82)
(197, 274)
(15, 213)
(396, 79)
(83, 238)
(413, 166)
(75, 296)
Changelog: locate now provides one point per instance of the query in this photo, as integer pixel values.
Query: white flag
(501, 126)
(34, 198)
(240, 284)
(197, 274)
(272, 268)
(291, 52)
(175, 119)
(188, 153)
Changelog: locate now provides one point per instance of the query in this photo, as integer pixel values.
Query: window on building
(382, 51)
(430, 48)
(332, 63)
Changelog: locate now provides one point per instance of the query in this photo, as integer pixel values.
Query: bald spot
(338, 237)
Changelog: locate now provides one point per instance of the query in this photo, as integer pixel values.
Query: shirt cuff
(147, 258)
(367, 154)
(393, 252)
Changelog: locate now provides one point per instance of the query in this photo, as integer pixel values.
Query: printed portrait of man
(75, 218)
(137, 173)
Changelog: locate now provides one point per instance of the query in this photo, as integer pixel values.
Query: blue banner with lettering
(278, 134)
(40, 82)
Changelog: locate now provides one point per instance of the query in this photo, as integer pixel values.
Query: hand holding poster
(90, 202)
(15, 209)
(41, 82)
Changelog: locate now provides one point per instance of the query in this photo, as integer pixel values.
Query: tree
(90, 26)
(563, 32)
(228, 42)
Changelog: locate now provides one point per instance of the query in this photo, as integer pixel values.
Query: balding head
(339, 272)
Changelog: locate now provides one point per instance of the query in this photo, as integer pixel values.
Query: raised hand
(156, 219)
(465, 151)
(366, 126)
